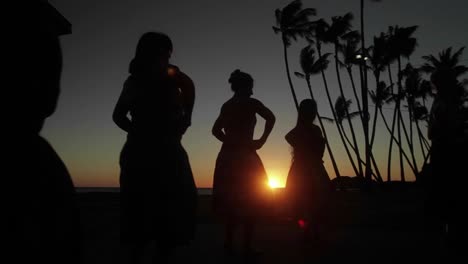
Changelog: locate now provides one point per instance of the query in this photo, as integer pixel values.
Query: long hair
(151, 47)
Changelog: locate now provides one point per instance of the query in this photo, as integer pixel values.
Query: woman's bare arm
(218, 126)
(270, 120)
(187, 89)
(119, 116)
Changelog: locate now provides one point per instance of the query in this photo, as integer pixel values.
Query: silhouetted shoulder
(316, 131)
(291, 137)
(256, 102)
(183, 78)
(227, 105)
(128, 85)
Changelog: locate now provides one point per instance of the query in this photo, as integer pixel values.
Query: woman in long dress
(308, 185)
(240, 181)
(158, 193)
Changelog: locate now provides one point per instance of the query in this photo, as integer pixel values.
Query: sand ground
(362, 228)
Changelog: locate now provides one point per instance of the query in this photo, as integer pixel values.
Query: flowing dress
(308, 185)
(158, 192)
(240, 180)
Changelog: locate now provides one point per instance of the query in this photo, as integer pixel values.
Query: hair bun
(234, 74)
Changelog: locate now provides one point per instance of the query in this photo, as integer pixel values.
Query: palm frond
(327, 119)
(300, 75)
(278, 15)
(354, 114)
(303, 16)
(321, 64)
(276, 29)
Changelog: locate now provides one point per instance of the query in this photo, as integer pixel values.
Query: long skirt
(240, 185)
(308, 190)
(158, 194)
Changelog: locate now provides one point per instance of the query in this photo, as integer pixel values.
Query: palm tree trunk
(285, 49)
(377, 175)
(410, 101)
(340, 85)
(390, 148)
(364, 100)
(353, 85)
(420, 135)
(332, 157)
(409, 141)
(374, 124)
(397, 142)
(333, 112)
(398, 102)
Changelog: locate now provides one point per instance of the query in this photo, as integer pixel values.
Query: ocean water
(201, 191)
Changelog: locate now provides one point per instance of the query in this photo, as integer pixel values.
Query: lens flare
(273, 183)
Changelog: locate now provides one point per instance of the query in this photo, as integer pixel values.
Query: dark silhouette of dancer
(38, 195)
(308, 186)
(158, 193)
(446, 184)
(240, 180)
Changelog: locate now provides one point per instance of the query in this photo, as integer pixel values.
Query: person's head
(34, 66)
(307, 111)
(241, 83)
(446, 83)
(152, 53)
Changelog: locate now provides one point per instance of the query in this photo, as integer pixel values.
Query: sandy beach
(380, 227)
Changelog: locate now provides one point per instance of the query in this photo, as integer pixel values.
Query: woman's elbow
(215, 131)
(116, 118)
(272, 119)
(119, 119)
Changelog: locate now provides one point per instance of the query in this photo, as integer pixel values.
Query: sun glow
(273, 183)
(274, 180)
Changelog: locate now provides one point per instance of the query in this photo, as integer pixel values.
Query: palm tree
(421, 114)
(446, 70)
(414, 87)
(292, 22)
(319, 32)
(401, 44)
(341, 25)
(349, 52)
(342, 106)
(311, 66)
(341, 109)
(378, 61)
(382, 95)
(363, 43)
(364, 92)
(398, 144)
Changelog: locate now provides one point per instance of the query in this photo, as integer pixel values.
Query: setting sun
(274, 180)
(273, 183)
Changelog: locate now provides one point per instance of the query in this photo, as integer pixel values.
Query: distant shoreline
(201, 191)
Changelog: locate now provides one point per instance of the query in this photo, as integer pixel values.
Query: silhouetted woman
(158, 193)
(240, 180)
(308, 184)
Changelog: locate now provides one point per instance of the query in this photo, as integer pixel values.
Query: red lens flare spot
(302, 223)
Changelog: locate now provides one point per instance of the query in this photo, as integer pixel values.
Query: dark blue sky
(211, 39)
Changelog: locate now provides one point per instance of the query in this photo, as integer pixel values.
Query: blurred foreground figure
(446, 182)
(39, 197)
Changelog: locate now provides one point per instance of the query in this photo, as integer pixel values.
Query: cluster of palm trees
(406, 91)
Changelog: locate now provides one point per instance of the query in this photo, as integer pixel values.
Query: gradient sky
(211, 39)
